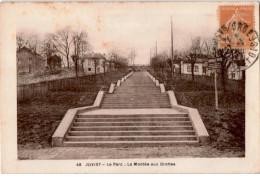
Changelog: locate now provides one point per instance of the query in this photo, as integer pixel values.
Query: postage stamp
(237, 31)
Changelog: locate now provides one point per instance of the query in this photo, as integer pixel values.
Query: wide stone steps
(132, 130)
(135, 105)
(131, 138)
(137, 119)
(153, 123)
(131, 133)
(126, 144)
(137, 100)
(137, 91)
(182, 115)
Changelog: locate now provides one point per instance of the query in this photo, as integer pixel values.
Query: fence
(236, 86)
(27, 91)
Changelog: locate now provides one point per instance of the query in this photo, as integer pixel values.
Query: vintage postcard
(129, 87)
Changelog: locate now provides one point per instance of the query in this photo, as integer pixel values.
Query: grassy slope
(39, 117)
(225, 126)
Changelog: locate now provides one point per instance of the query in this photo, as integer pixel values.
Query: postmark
(237, 31)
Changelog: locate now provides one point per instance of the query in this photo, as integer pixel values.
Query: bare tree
(208, 47)
(132, 56)
(228, 55)
(62, 41)
(80, 44)
(21, 41)
(47, 48)
(33, 42)
(194, 52)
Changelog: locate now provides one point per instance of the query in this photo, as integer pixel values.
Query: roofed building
(94, 63)
(28, 61)
(54, 62)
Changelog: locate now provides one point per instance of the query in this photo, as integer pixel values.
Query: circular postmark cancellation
(237, 31)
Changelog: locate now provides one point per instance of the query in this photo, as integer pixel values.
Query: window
(89, 69)
(204, 69)
(188, 68)
(196, 68)
(233, 75)
(30, 65)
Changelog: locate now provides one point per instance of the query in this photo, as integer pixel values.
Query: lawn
(39, 117)
(226, 126)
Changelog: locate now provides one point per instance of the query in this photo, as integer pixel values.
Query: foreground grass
(226, 126)
(39, 117)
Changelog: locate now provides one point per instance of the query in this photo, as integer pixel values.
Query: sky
(121, 26)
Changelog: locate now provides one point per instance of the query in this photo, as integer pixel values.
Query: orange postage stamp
(236, 26)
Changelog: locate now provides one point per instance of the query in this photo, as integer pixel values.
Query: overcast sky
(123, 26)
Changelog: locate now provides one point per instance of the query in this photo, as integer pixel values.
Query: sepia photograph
(130, 81)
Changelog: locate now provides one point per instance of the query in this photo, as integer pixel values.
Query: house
(200, 67)
(54, 62)
(28, 61)
(94, 63)
(235, 70)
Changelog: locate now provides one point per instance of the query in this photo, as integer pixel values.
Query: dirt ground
(56, 153)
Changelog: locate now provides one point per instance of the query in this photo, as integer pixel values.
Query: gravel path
(124, 153)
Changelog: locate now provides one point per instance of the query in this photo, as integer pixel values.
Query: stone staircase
(131, 130)
(137, 114)
(136, 92)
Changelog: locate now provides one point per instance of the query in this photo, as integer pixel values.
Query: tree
(228, 56)
(33, 43)
(47, 48)
(158, 63)
(132, 56)
(120, 62)
(62, 41)
(194, 52)
(208, 47)
(75, 59)
(166, 56)
(80, 42)
(21, 41)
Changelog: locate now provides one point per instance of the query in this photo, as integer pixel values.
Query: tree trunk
(171, 69)
(95, 68)
(192, 71)
(223, 80)
(76, 68)
(68, 63)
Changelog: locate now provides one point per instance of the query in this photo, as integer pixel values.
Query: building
(235, 71)
(28, 61)
(54, 62)
(207, 67)
(94, 63)
(200, 67)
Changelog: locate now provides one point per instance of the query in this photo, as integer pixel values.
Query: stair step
(130, 128)
(130, 138)
(133, 107)
(131, 115)
(155, 123)
(131, 119)
(130, 133)
(124, 144)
